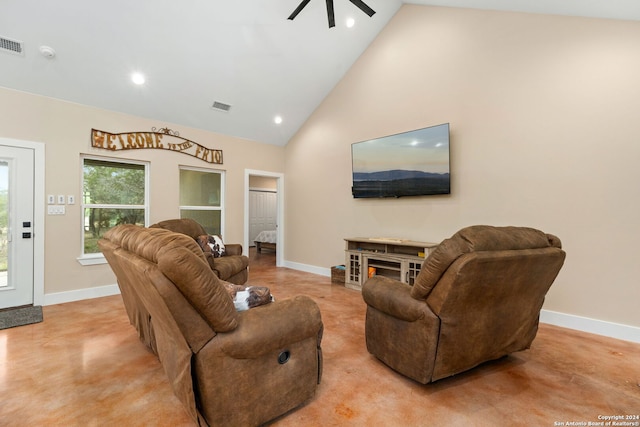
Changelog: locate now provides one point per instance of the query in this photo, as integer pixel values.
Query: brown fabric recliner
(228, 368)
(477, 298)
(231, 267)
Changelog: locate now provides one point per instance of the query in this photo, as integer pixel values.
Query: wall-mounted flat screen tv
(414, 163)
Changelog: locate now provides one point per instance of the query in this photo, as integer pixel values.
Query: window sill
(93, 259)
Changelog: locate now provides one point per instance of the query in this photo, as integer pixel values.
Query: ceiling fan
(330, 15)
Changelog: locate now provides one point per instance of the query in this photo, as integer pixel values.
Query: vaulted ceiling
(243, 55)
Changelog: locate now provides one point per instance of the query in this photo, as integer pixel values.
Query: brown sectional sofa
(232, 267)
(228, 368)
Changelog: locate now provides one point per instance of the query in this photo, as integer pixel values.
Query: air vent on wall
(11, 46)
(221, 106)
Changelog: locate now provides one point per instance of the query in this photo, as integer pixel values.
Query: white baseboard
(308, 268)
(593, 326)
(81, 294)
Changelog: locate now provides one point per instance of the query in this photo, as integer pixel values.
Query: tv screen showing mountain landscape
(414, 163)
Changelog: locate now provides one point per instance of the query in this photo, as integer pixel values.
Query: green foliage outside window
(113, 194)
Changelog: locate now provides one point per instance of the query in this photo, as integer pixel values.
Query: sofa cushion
(473, 239)
(217, 247)
(212, 244)
(246, 297)
(252, 296)
(200, 286)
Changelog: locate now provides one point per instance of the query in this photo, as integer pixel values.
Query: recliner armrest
(271, 327)
(233, 249)
(393, 298)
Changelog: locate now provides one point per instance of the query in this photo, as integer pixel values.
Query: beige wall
(544, 133)
(65, 130)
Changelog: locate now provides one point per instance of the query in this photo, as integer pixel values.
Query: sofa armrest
(393, 298)
(271, 327)
(233, 248)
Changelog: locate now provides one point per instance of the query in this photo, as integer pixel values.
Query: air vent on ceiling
(11, 46)
(221, 106)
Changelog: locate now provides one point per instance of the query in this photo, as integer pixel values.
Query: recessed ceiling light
(350, 22)
(138, 78)
(277, 120)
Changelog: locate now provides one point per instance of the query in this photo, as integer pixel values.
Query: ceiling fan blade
(330, 15)
(301, 6)
(363, 7)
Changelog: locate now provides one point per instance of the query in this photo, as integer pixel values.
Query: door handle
(26, 235)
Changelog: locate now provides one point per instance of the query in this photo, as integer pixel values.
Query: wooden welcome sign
(164, 139)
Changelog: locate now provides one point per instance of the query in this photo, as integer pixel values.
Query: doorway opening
(263, 213)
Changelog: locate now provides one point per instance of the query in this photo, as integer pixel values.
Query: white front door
(16, 226)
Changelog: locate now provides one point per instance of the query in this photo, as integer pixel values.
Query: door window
(4, 221)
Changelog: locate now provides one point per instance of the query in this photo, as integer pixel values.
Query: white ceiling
(244, 53)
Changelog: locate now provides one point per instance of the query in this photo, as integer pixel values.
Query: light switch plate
(56, 210)
(61, 199)
(51, 199)
(71, 199)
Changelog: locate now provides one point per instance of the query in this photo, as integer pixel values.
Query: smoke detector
(47, 52)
